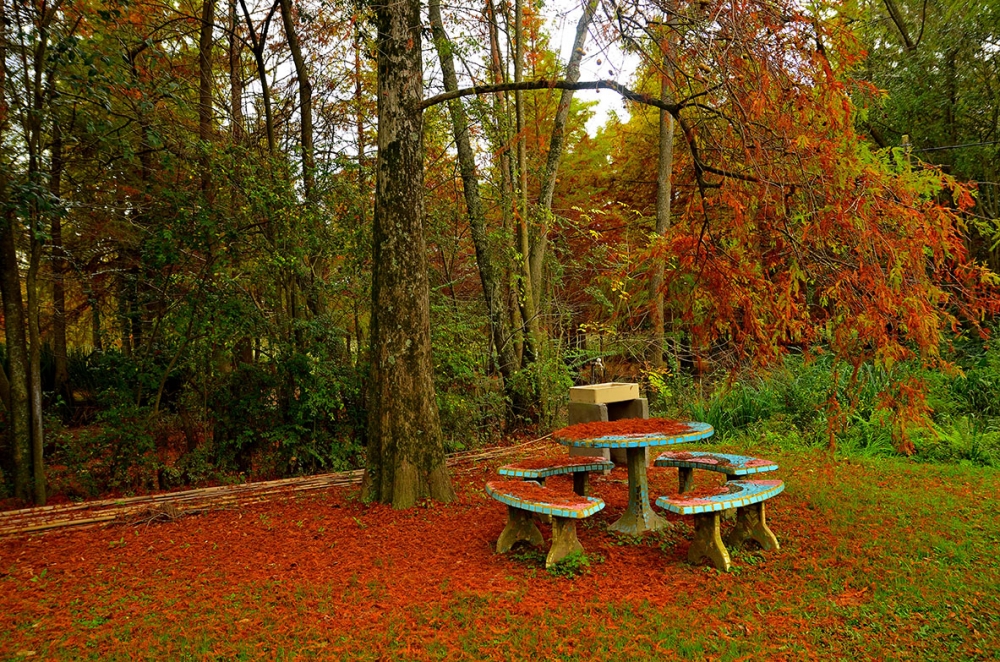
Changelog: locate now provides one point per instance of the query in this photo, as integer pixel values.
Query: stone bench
(734, 466)
(523, 498)
(540, 469)
(747, 496)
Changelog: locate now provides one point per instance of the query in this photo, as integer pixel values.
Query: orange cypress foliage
(789, 229)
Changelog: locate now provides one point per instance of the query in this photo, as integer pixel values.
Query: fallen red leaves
(321, 575)
(529, 491)
(621, 427)
(561, 461)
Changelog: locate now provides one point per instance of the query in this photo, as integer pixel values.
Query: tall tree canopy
(301, 235)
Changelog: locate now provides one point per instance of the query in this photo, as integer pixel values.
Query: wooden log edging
(109, 511)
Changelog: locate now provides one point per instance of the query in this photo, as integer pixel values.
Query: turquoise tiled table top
(576, 507)
(533, 468)
(733, 465)
(734, 494)
(698, 431)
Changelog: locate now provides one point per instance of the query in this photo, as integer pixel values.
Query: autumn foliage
(790, 229)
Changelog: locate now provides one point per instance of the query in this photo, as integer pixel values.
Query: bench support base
(564, 540)
(581, 483)
(520, 527)
(708, 542)
(751, 522)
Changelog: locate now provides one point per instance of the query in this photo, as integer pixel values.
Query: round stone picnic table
(639, 516)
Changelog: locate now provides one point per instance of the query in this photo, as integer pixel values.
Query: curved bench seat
(540, 469)
(525, 497)
(747, 496)
(734, 494)
(734, 466)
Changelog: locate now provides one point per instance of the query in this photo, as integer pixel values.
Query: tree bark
(17, 357)
(405, 458)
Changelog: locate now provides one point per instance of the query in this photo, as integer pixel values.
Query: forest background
(793, 234)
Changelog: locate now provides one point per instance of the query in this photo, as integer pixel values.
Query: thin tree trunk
(556, 145)
(663, 194)
(405, 458)
(95, 316)
(205, 90)
(489, 274)
(235, 74)
(305, 100)
(35, 92)
(526, 298)
(259, 43)
(62, 383)
(308, 283)
(501, 107)
(35, 359)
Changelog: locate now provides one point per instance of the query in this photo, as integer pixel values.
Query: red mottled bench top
(734, 494)
(551, 466)
(732, 465)
(537, 499)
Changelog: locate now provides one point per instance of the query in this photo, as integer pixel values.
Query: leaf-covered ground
(878, 561)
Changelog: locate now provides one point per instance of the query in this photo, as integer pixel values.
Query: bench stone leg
(685, 476)
(519, 527)
(639, 516)
(751, 522)
(708, 542)
(581, 483)
(564, 540)
(729, 514)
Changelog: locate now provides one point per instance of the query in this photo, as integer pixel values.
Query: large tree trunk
(489, 274)
(405, 459)
(17, 358)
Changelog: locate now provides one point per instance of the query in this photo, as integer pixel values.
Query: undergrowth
(789, 406)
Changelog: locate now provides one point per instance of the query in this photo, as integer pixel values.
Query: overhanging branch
(672, 108)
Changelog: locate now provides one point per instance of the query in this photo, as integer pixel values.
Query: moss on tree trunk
(405, 459)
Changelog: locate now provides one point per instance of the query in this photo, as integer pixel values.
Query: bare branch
(542, 84)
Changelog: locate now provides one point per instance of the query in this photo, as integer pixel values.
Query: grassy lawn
(880, 559)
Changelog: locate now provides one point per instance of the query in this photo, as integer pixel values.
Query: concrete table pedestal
(597, 403)
(639, 516)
